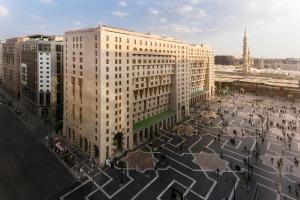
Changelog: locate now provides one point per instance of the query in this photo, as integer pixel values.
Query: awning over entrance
(199, 92)
(152, 120)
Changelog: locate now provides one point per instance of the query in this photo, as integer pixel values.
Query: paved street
(28, 170)
(209, 164)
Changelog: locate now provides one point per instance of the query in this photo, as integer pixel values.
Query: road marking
(82, 184)
(168, 186)
(235, 185)
(145, 187)
(251, 149)
(90, 194)
(210, 190)
(194, 144)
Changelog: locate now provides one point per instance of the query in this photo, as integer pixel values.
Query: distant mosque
(247, 61)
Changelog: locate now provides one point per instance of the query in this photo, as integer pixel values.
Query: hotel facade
(122, 87)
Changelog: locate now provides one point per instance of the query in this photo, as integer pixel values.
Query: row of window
(47, 58)
(154, 111)
(144, 42)
(41, 63)
(47, 86)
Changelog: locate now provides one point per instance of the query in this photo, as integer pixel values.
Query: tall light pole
(198, 125)
(234, 190)
(267, 121)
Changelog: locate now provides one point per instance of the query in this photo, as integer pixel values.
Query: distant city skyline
(272, 25)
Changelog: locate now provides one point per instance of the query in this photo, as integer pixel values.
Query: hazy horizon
(272, 25)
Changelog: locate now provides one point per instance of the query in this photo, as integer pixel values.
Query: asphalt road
(28, 170)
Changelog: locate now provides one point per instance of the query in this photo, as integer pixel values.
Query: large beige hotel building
(122, 87)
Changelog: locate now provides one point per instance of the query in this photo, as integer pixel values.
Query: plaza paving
(209, 164)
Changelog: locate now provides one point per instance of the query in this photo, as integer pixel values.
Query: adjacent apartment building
(122, 87)
(41, 88)
(11, 67)
(1, 67)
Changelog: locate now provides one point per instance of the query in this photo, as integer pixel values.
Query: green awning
(152, 120)
(199, 92)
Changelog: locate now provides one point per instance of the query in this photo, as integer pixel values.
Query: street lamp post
(199, 125)
(93, 169)
(248, 158)
(256, 145)
(267, 121)
(262, 125)
(121, 165)
(248, 155)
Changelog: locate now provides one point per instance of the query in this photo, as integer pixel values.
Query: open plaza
(239, 146)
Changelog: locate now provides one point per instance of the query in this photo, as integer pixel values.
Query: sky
(273, 26)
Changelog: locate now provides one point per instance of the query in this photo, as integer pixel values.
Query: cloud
(163, 20)
(273, 25)
(122, 4)
(202, 21)
(48, 2)
(153, 11)
(120, 14)
(174, 28)
(37, 18)
(194, 2)
(188, 11)
(3, 11)
(42, 26)
(77, 23)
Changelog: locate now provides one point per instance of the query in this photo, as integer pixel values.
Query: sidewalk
(81, 165)
(27, 118)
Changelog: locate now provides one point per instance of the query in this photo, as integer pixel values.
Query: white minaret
(246, 54)
(249, 59)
